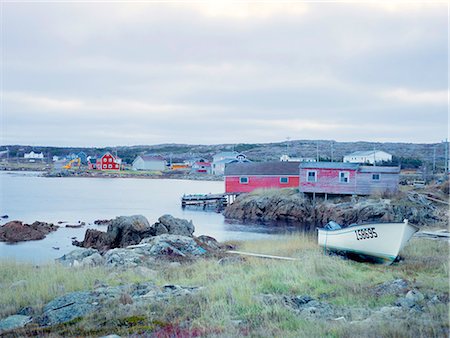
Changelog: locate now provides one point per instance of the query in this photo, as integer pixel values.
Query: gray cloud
(110, 73)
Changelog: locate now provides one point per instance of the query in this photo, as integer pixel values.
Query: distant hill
(325, 149)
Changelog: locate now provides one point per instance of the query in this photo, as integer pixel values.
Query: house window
(284, 180)
(312, 176)
(110, 159)
(243, 180)
(109, 166)
(376, 177)
(344, 176)
(104, 166)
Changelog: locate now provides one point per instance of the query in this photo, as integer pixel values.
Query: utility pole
(287, 145)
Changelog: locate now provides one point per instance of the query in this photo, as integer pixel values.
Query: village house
(92, 163)
(201, 167)
(149, 163)
(223, 158)
(371, 156)
(108, 162)
(246, 177)
(287, 158)
(347, 178)
(32, 156)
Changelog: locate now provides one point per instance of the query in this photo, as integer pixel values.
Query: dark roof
(262, 168)
(377, 169)
(329, 165)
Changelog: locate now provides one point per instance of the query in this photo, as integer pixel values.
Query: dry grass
(231, 293)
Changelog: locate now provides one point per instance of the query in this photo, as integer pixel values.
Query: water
(29, 197)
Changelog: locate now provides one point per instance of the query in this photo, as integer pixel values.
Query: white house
(371, 156)
(33, 156)
(287, 158)
(148, 162)
(221, 159)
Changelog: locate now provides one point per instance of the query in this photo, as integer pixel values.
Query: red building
(248, 176)
(347, 178)
(108, 162)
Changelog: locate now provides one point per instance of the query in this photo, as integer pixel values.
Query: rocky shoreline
(179, 284)
(288, 205)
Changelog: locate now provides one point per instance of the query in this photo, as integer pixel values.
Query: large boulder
(17, 231)
(168, 224)
(172, 246)
(122, 231)
(81, 257)
(14, 322)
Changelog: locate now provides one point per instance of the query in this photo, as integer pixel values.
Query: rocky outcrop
(293, 207)
(17, 231)
(82, 303)
(128, 230)
(122, 231)
(168, 224)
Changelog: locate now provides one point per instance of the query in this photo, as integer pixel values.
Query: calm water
(29, 197)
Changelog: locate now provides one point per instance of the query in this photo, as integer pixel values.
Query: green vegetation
(230, 303)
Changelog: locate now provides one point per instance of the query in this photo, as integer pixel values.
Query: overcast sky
(97, 74)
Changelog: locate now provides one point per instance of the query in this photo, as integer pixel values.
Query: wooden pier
(219, 201)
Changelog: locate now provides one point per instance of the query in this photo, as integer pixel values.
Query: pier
(219, 201)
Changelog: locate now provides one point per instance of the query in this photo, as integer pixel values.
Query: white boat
(379, 242)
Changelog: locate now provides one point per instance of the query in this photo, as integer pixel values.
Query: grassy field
(230, 305)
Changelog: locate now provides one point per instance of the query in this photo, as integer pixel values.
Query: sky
(134, 73)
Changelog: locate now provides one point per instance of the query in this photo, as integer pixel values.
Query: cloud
(215, 72)
(437, 97)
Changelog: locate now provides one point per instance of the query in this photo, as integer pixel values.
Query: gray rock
(68, 307)
(172, 246)
(76, 256)
(177, 226)
(93, 260)
(209, 242)
(14, 322)
(123, 258)
(111, 336)
(396, 287)
(412, 300)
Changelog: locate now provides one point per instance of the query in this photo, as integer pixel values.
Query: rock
(111, 336)
(123, 258)
(102, 221)
(174, 226)
(122, 231)
(26, 311)
(68, 307)
(16, 231)
(74, 225)
(172, 246)
(412, 300)
(209, 242)
(76, 256)
(4, 216)
(395, 287)
(14, 322)
(93, 260)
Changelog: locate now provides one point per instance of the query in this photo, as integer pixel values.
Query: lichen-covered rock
(75, 257)
(124, 258)
(14, 322)
(172, 246)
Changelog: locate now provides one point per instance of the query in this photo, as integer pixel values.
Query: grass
(229, 303)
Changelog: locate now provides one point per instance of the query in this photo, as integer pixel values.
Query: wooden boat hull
(378, 242)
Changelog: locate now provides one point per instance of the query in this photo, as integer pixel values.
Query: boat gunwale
(365, 224)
